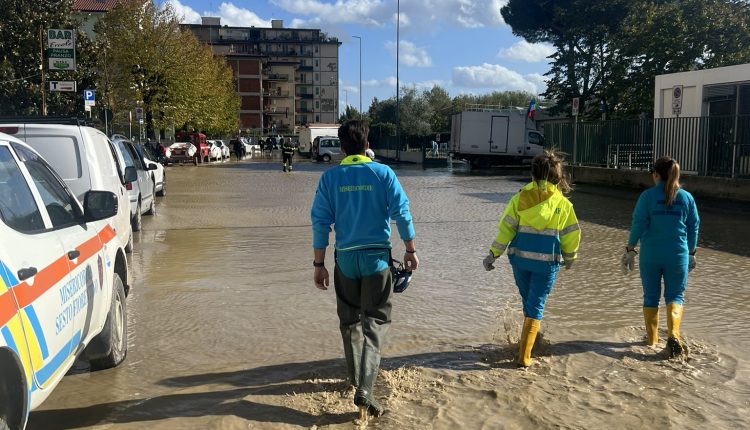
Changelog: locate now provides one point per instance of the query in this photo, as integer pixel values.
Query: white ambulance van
(63, 273)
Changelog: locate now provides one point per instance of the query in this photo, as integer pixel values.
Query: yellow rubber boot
(651, 317)
(528, 337)
(674, 318)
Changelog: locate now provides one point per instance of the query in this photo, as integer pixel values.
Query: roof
(94, 5)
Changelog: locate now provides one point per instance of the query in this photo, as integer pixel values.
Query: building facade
(285, 77)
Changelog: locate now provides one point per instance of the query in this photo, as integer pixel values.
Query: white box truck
(486, 138)
(309, 132)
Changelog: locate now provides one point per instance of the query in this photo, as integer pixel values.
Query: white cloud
(351, 88)
(496, 77)
(404, 21)
(390, 81)
(431, 13)
(410, 54)
(234, 16)
(185, 14)
(525, 51)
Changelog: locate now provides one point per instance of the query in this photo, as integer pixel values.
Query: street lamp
(360, 75)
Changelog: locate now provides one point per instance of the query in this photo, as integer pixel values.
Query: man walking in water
(360, 198)
(287, 152)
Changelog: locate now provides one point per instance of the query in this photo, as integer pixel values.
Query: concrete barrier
(408, 157)
(699, 186)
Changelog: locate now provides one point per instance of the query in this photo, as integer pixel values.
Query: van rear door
(499, 134)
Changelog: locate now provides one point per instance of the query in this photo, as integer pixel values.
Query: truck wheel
(109, 348)
(326, 158)
(137, 222)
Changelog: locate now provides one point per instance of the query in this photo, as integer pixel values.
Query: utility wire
(20, 79)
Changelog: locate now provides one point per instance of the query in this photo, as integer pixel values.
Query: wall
(699, 186)
(408, 157)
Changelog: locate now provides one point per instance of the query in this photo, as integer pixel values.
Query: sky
(462, 45)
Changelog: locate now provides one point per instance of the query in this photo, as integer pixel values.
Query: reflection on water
(228, 332)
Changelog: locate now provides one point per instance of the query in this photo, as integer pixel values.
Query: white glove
(489, 262)
(691, 263)
(627, 263)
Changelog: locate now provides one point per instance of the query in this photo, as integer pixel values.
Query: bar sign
(62, 86)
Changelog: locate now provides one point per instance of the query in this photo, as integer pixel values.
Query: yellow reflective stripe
(538, 256)
(570, 229)
(35, 351)
(355, 159)
(532, 230)
(511, 222)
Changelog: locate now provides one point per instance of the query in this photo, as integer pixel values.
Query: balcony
(304, 110)
(275, 77)
(274, 111)
(305, 68)
(305, 95)
(276, 94)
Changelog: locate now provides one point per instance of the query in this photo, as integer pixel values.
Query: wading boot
(651, 317)
(528, 337)
(353, 339)
(674, 318)
(364, 397)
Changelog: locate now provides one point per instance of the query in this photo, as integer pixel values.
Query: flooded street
(228, 332)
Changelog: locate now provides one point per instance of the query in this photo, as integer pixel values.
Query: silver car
(327, 148)
(142, 192)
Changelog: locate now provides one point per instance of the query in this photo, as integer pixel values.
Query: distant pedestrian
(666, 223)
(287, 152)
(359, 198)
(238, 149)
(435, 151)
(540, 232)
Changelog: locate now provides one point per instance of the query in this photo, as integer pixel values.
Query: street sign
(87, 108)
(61, 49)
(677, 100)
(89, 98)
(437, 137)
(139, 113)
(62, 86)
(575, 105)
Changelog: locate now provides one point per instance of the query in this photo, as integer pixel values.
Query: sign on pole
(89, 98)
(575, 105)
(61, 49)
(139, 113)
(677, 100)
(62, 86)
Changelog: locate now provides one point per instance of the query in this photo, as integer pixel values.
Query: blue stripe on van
(34, 320)
(47, 371)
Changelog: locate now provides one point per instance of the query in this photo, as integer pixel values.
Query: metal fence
(707, 146)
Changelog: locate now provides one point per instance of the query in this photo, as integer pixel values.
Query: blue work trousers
(675, 281)
(534, 288)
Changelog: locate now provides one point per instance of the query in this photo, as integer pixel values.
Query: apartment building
(286, 77)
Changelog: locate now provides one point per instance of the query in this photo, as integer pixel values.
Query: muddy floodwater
(228, 332)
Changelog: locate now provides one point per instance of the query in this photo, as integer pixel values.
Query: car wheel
(326, 158)
(163, 191)
(152, 207)
(109, 348)
(137, 222)
(3, 424)
(129, 245)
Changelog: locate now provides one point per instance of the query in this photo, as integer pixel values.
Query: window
(63, 151)
(316, 63)
(317, 91)
(57, 200)
(536, 138)
(317, 118)
(18, 208)
(316, 49)
(317, 104)
(317, 77)
(129, 162)
(136, 158)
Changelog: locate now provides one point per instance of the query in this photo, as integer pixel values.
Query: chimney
(277, 23)
(210, 20)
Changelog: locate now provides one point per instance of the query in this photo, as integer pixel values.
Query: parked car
(158, 175)
(83, 157)
(327, 148)
(141, 191)
(214, 150)
(224, 149)
(251, 145)
(199, 141)
(182, 152)
(63, 281)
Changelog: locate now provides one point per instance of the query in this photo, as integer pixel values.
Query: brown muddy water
(228, 332)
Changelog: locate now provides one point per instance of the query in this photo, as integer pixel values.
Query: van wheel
(326, 158)
(109, 348)
(129, 245)
(137, 223)
(163, 191)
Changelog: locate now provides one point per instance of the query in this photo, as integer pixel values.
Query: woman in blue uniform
(666, 222)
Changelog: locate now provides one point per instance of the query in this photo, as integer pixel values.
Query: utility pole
(360, 75)
(41, 69)
(398, 110)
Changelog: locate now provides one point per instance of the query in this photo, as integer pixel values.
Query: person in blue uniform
(666, 223)
(360, 198)
(540, 232)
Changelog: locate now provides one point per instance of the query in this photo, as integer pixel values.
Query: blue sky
(462, 45)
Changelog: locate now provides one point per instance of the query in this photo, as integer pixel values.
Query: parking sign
(677, 99)
(89, 98)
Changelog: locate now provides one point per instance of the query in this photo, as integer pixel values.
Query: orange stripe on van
(7, 308)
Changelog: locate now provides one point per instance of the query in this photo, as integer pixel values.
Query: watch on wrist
(321, 264)
(411, 252)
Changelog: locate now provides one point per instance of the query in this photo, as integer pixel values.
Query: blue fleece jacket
(360, 198)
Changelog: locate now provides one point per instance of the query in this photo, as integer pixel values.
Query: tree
(351, 113)
(23, 23)
(441, 107)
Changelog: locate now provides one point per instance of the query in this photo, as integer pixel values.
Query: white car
(158, 176)
(225, 152)
(181, 152)
(142, 191)
(84, 158)
(214, 150)
(63, 278)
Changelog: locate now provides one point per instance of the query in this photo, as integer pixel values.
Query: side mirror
(131, 175)
(99, 205)
(152, 166)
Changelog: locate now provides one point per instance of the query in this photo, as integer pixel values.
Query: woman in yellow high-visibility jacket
(540, 232)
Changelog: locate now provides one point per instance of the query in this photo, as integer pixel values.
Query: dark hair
(353, 136)
(669, 171)
(548, 167)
